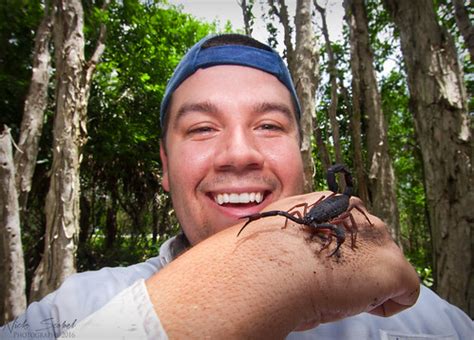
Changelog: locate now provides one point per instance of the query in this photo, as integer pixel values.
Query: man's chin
(209, 231)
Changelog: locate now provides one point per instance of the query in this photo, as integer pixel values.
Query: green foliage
(382, 34)
(144, 45)
(121, 171)
(127, 250)
(426, 275)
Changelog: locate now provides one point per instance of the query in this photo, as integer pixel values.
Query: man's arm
(269, 280)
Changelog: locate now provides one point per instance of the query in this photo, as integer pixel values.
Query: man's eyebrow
(270, 106)
(187, 108)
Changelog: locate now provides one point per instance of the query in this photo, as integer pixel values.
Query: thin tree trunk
(361, 189)
(13, 298)
(85, 220)
(381, 173)
(322, 150)
(111, 218)
(465, 25)
(332, 70)
(444, 132)
(282, 14)
(155, 218)
(247, 15)
(165, 219)
(356, 120)
(3, 267)
(35, 106)
(73, 77)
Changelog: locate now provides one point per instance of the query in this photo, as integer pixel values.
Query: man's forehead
(199, 57)
(242, 76)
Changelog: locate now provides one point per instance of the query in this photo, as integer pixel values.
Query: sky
(223, 10)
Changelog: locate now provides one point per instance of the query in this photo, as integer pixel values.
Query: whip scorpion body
(327, 216)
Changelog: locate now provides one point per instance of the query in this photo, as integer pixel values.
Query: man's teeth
(245, 197)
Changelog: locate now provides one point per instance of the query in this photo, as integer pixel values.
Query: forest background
(80, 89)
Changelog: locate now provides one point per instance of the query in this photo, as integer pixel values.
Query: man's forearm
(234, 286)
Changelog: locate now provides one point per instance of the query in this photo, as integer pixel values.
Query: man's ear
(165, 183)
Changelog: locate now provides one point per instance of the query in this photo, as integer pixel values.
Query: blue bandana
(197, 57)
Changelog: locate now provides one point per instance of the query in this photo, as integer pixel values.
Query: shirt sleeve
(129, 315)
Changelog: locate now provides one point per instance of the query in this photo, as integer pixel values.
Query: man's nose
(239, 151)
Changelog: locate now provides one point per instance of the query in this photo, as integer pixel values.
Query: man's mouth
(239, 198)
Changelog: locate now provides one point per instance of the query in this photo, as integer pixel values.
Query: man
(230, 149)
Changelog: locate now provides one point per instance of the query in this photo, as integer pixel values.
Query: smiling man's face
(232, 148)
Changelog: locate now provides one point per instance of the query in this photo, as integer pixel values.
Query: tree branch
(100, 46)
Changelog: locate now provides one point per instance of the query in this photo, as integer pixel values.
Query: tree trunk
(73, 77)
(306, 77)
(381, 174)
(13, 298)
(438, 102)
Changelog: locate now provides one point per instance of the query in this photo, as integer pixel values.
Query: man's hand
(372, 277)
(271, 280)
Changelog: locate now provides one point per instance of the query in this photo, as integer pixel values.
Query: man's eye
(271, 127)
(201, 130)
